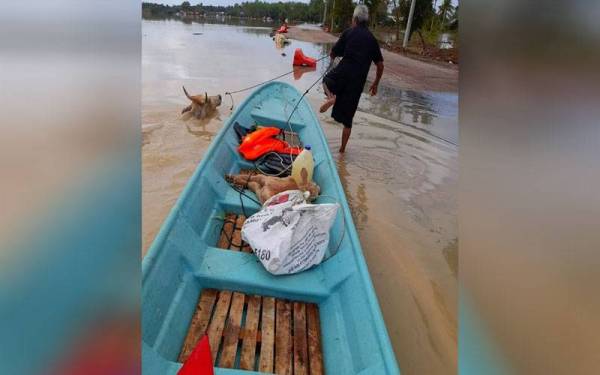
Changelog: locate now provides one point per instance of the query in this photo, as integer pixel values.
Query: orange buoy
(301, 60)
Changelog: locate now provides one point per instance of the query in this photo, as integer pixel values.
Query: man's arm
(373, 89)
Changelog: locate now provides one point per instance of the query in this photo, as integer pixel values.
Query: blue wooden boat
(184, 261)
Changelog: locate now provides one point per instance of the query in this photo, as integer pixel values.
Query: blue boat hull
(183, 259)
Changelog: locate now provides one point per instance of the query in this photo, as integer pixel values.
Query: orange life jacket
(262, 141)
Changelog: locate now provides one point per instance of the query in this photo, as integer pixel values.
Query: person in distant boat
(344, 84)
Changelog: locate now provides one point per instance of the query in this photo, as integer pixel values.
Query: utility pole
(408, 23)
(324, 12)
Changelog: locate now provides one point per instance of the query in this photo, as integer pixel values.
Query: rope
(224, 232)
(302, 97)
(242, 192)
(262, 83)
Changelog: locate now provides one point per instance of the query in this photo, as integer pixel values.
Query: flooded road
(399, 172)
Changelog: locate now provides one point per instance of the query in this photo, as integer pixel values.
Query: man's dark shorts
(336, 85)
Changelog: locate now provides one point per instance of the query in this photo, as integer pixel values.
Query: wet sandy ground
(399, 172)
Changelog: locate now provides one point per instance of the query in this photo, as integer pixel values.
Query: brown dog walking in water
(202, 105)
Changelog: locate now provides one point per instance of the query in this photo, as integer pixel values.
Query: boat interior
(185, 261)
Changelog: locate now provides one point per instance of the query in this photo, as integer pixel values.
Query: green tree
(447, 14)
(185, 5)
(342, 14)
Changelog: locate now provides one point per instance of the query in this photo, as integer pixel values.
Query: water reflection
(432, 112)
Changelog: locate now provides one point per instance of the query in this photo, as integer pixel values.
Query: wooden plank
(236, 242)
(226, 231)
(199, 322)
(283, 339)
(300, 340)
(232, 331)
(267, 334)
(247, 357)
(215, 329)
(244, 334)
(315, 355)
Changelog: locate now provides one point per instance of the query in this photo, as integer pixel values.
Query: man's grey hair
(361, 13)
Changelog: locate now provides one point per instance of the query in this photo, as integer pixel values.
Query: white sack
(289, 235)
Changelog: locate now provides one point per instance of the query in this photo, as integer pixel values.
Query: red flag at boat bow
(200, 361)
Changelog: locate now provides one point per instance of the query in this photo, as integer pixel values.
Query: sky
(213, 2)
(231, 2)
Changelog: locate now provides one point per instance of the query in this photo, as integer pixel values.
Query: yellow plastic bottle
(304, 161)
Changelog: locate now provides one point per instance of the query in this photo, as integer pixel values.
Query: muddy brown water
(399, 172)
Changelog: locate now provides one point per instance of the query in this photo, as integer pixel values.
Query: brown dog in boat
(267, 186)
(202, 105)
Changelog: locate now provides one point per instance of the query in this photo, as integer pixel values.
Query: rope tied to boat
(230, 93)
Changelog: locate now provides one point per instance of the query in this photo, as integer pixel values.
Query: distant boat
(323, 320)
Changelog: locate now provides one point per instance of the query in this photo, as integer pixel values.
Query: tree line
(297, 11)
(428, 16)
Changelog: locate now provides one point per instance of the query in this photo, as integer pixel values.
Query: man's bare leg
(345, 136)
(329, 101)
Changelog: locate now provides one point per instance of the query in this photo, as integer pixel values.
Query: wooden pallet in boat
(231, 234)
(257, 333)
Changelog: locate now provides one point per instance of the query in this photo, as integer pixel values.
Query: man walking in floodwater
(344, 84)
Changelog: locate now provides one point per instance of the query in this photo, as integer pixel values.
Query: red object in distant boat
(301, 60)
(262, 141)
(283, 29)
(200, 361)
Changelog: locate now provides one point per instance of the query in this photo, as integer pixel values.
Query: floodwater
(399, 172)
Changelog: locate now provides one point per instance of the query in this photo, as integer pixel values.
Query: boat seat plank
(232, 269)
(257, 333)
(275, 118)
(232, 331)
(283, 338)
(250, 333)
(199, 323)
